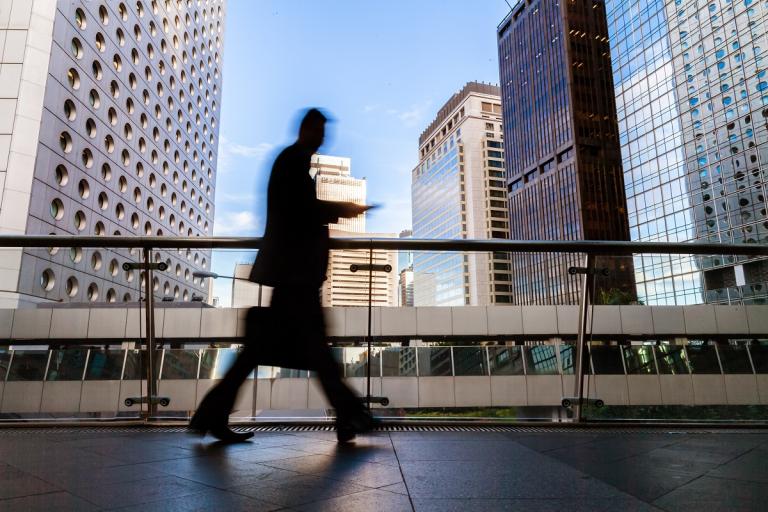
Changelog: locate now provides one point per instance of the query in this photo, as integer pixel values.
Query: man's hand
(349, 210)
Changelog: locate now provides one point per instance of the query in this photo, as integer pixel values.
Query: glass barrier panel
(180, 364)
(606, 359)
(434, 361)
(541, 360)
(469, 361)
(506, 360)
(703, 359)
(399, 361)
(672, 360)
(355, 361)
(639, 360)
(759, 353)
(136, 362)
(105, 364)
(208, 363)
(567, 359)
(734, 358)
(67, 364)
(5, 359)
(28, 365)
(214, 366)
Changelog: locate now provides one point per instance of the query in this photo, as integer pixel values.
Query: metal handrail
(596, 247)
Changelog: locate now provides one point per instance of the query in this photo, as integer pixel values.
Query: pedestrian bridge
(84, 362)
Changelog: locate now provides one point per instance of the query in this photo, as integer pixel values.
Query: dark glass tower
(563, 156)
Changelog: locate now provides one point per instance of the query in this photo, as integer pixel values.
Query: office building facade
(342, 286)
(692, 102)
(109, 117)
(458, 190)
(562, 153)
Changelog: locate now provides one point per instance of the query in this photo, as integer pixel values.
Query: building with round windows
(109, 126)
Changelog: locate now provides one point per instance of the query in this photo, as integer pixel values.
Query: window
(77, 48)
(73, 78)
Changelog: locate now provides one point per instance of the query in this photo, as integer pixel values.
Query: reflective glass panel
(639, 360)
(606, 360)
(567, 358)
(5, 359)
(105, 365)
(759, 353)
(434, 361)
(703, 359)
(506, 360)
(672, 360)
(470, 361)
(541, 360)
(734, 358)
(399, 361)
(208, 363)
(180, 364)
(136, 365)
(355, 361)
(28, 365)
(67, 364)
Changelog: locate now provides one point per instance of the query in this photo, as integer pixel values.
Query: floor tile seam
(27, 473)
(366, 489)
(732, 479)
(38, 494)
(402, 474)
(675, 489)
(322, 475)
(182, 495)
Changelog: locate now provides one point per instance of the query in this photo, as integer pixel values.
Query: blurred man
(293, 260)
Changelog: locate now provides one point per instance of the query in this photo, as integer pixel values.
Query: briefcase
(278, 341)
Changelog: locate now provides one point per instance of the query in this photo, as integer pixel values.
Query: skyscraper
(562, 151)
(458, 190)
(343, 287)
(108, 126)
(692, 102)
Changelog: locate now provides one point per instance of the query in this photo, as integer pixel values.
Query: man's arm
(331, 211)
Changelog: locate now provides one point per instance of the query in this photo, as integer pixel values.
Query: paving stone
(539, 505)
(752, 466)
(368, 500)
(714, 494)
(299, 490)
(49, 502)
(213, 500)
(24, 485)
(140, 491)
(369, 474)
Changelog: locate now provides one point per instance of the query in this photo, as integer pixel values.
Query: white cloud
(242, 223)
(259, 151)
(229, 150)
(411, 116)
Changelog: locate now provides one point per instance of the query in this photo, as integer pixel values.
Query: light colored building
(405, 287)
(245, 293)
(459, 191)
(343, 287)
(692, 103)
(108, 126)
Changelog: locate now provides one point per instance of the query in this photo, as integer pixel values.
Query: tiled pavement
(424, 471)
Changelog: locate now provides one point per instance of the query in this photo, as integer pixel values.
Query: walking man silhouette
(293, 259)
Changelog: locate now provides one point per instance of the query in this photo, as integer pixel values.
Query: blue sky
(382, 69)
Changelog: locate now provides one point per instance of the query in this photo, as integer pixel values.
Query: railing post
(150, 335)
(370, 314)
(587, 282)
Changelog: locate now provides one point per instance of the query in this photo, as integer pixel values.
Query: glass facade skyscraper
(692, 104)
(458, 191)
(562, 152)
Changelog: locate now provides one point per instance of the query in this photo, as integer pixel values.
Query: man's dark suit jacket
(294, 250)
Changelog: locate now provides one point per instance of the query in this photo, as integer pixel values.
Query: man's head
(312, 129)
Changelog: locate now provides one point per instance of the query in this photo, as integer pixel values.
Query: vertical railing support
(587, 283)
(150, 335)
(370, 315)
